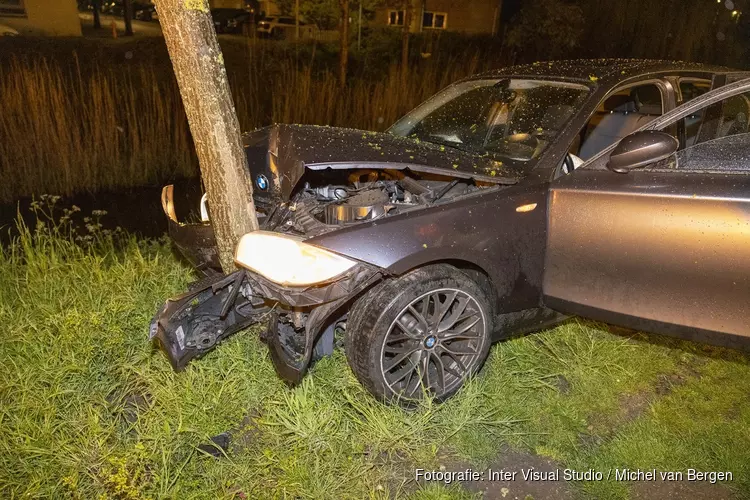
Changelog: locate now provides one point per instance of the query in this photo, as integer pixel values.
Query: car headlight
(286, 260)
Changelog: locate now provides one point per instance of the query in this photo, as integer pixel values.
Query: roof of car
(604, 71)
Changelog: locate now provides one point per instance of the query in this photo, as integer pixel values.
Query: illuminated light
(286, 260)
(204, 207)
(526, 208)
(167, 203)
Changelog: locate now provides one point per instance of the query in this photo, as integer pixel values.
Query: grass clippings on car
(89, 409)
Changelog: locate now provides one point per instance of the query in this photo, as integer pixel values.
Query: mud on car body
(423, 245)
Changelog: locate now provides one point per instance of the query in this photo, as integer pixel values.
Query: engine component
(328, 193)
(341, 214)
(365, 205)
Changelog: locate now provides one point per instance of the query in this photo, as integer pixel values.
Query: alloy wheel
(434, 344)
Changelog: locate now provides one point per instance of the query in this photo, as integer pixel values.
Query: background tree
(326, 14)
(127, 14)
(546, 29)
(329, 14)
(344, 42)
(97, 7)
(408, 7)
(202, 78)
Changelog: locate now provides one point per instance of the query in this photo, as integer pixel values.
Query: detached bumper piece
(300, 321)
(191, 324)
(195, 241)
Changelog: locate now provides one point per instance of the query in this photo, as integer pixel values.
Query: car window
(689, 90)
(724, 154)
(512, 119)
(720, 140)
(620, 114)
(722, 119)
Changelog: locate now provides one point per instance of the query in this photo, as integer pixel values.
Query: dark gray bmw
(612, 189)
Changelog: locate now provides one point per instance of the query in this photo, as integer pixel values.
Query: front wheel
(419, 335)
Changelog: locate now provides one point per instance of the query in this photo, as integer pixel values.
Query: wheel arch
(476, 271)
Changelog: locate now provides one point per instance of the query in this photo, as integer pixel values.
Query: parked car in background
(143, 11)
(615, 190)
(231, 20)
(284, 28)
(7, 31)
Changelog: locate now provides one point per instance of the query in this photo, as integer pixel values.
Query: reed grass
(70, 124)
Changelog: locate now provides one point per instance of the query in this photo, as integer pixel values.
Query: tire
(391, 333)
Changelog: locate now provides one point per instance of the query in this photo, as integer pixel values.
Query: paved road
(140, 28)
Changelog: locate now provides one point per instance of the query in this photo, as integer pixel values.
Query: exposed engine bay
(329, 200)
(300, 320)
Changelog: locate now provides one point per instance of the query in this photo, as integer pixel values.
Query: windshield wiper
(449, 144)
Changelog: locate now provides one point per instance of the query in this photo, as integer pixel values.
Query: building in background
(269, 8)
(41, 17)
(465, 16)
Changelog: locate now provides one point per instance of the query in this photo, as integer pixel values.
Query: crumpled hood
(282, 153)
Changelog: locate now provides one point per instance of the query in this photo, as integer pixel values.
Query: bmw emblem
(430, 342)
(262, 182)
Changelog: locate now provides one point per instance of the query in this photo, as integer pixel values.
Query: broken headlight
(286, 260)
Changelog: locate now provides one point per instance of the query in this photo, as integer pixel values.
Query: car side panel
(484, 230)
(669, 248)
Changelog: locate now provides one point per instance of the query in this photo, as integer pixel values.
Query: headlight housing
(286, 260)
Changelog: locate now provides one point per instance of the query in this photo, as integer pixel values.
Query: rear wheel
(420, 335)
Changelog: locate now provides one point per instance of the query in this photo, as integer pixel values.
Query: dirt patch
(602, 426)
(562, 384)
(128, 407)
(665, 384)
(504, 478)
(632, 405)
(246, 436)
(679, 490)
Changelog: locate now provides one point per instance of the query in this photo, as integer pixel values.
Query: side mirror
(641, 148)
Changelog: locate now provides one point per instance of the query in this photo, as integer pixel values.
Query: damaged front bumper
(191, 324)
(300, 321)
(196, 241)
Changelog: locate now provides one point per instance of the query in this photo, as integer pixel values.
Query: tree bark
(344, 46)
(97, 6)
(127, 15)
(199, 66)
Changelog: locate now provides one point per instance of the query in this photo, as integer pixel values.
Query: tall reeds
(88, 125)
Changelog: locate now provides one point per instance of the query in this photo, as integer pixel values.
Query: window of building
(11, 7)
(434, 20)
(396, 17)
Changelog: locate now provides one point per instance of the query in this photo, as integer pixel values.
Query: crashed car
(500, 206)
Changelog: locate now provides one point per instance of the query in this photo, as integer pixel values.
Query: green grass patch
(89, 409)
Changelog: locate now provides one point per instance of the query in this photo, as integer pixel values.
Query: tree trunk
(127, 15)
(296, 20)
(408, 14)
(97, 6)
(199, 66)
(344, 43)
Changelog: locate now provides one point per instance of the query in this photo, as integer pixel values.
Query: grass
(89, 410)
(109, 116)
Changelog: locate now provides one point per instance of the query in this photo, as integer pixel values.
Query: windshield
(511, 118)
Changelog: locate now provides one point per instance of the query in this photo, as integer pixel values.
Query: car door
(666, 247)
